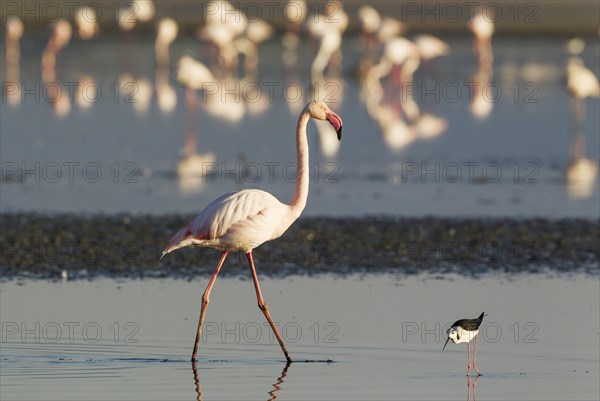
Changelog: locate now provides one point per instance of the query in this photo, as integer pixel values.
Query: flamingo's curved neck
(301, 191)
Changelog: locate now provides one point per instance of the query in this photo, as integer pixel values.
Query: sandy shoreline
(43, 246)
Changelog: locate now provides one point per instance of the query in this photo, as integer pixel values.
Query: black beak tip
(339, 134)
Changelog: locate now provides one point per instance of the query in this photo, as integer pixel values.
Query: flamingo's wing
(231, 214)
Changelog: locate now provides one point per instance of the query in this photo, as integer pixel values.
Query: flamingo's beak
(336, 122)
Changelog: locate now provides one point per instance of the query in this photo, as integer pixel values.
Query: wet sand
(43, 246)
(132, 339)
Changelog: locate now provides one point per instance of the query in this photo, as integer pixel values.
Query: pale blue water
(111, 158)
(132, 339)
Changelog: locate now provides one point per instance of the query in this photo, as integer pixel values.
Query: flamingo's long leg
(263, 307)
(205, 301)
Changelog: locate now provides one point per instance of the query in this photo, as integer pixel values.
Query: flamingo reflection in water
(481, 102)
(400, 119)
(272, 394)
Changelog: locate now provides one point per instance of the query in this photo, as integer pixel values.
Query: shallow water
(116, 155)
(107, 339)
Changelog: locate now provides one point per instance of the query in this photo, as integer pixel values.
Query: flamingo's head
(321, 111)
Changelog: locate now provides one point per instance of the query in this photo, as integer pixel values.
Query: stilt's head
(321, 111)
(453, 334)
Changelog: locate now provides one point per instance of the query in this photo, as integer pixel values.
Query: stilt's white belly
(466, 336)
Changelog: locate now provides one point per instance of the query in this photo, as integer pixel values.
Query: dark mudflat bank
(43, 246)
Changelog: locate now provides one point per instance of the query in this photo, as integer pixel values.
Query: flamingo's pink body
(238, 221)
(243, 220)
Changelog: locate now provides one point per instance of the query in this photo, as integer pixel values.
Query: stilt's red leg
(205, 301)
(263, 306)
(468, 358)
(475, 355)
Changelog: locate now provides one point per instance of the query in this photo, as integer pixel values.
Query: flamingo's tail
(183, 238)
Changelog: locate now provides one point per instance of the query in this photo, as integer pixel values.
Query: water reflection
(166, 96)
(393, 73)
(136, 91)
(87, 92)
(277, 384)
(197, 385)
(582, 173)
(481, 104)
(395, 109)
(272, 394)
(472, 387)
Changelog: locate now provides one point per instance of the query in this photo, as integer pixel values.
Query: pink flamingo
(243, 220)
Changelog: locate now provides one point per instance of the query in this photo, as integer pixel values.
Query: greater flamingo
(581, 172)
(86, 20)
(243, 220)
(59, 39)
(329, 29)
(483, 30)
(134, 12)
(14, 32)
(167, 33)
(581, 83)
